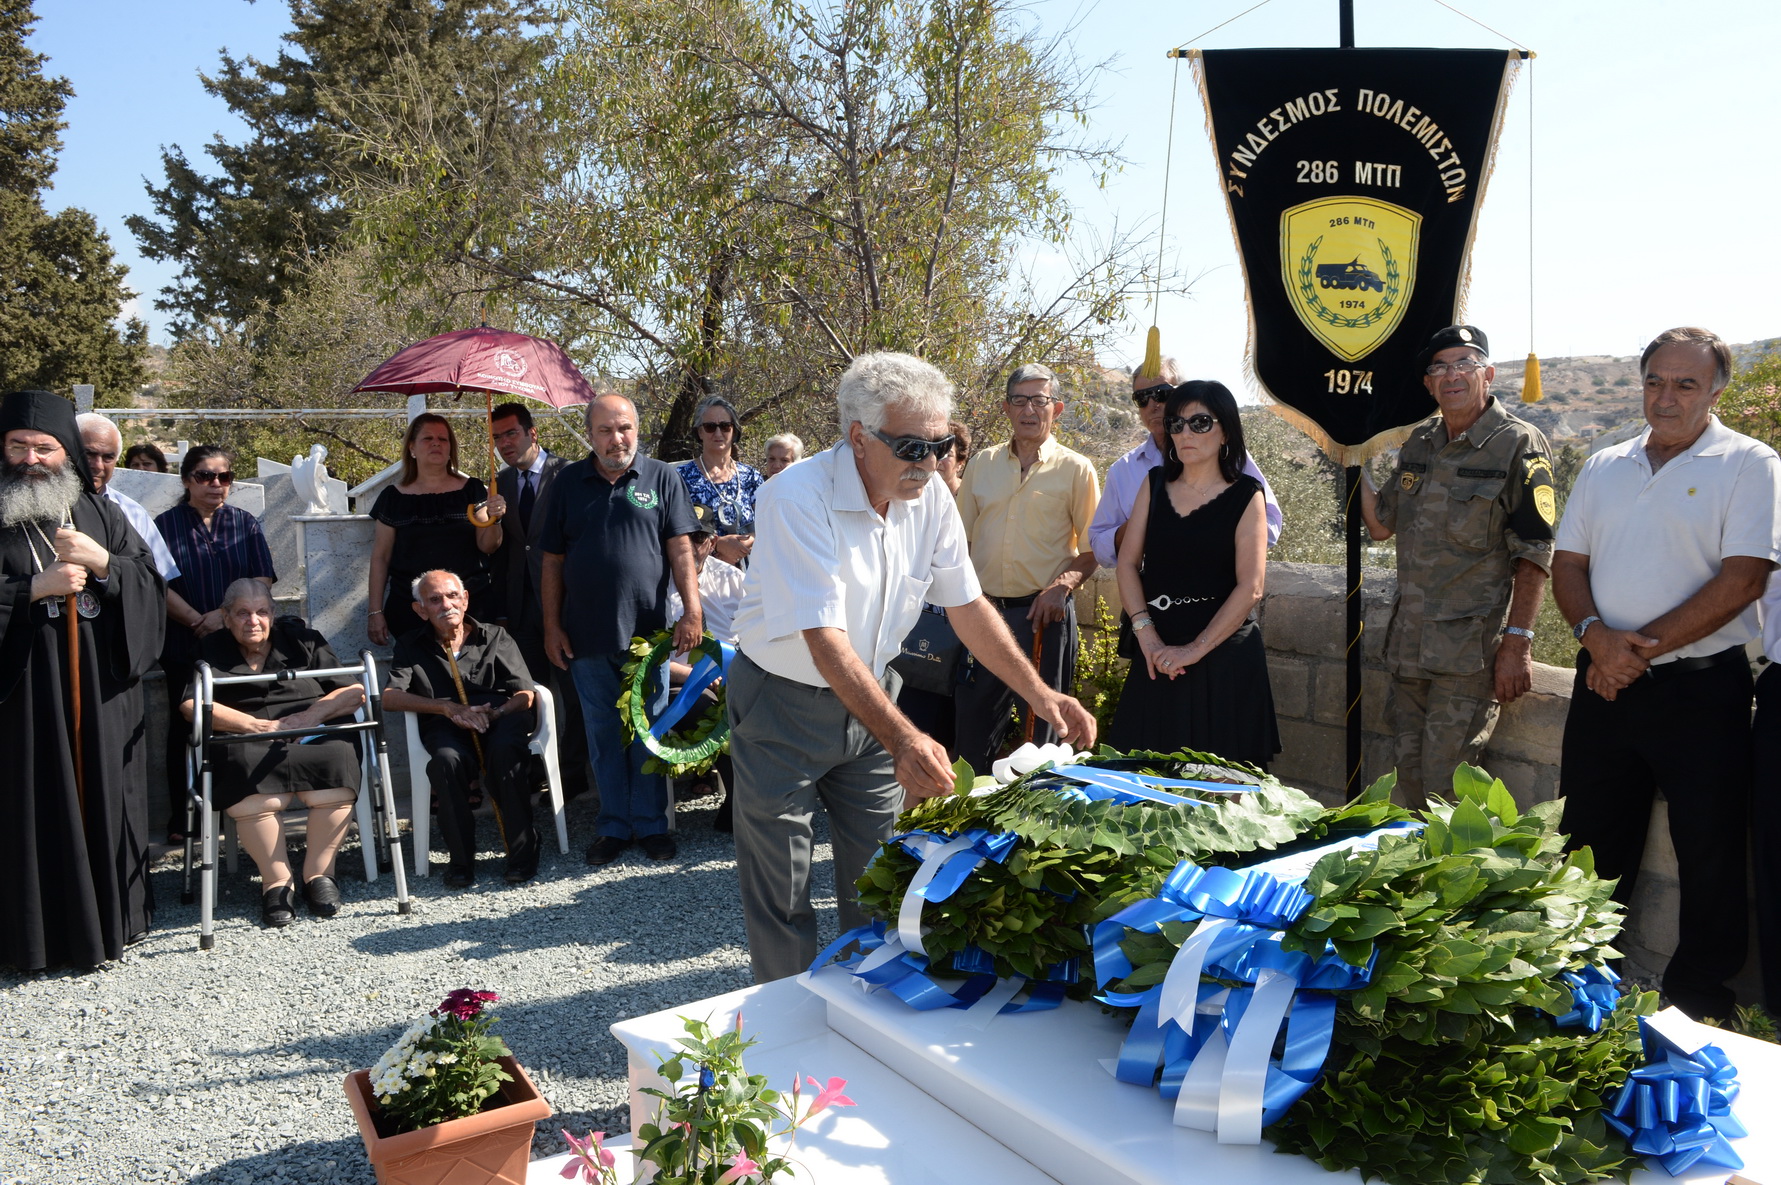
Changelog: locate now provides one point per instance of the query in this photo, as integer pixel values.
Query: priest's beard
(35, 492)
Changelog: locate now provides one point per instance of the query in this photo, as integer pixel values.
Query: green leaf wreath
(690, 748)
(1447, 1067)
(1077, 862)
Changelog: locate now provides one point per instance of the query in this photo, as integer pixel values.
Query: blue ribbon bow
(1678, 1106)
(1595, 993)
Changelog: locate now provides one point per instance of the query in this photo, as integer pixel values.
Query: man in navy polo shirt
(616, 526)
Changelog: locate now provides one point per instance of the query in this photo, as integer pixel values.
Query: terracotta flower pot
(491, 1147)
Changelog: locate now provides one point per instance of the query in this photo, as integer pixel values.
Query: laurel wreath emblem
(1308, 290)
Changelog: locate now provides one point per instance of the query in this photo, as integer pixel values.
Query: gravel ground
(226, 1066)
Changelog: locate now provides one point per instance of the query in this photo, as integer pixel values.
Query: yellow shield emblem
(1349, 265)
(1546, 504)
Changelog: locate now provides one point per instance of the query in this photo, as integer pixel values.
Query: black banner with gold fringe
(1354, 179)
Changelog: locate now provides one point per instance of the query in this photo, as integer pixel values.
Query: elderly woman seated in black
(254, 781)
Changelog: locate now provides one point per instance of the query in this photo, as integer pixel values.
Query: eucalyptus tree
(741, 195)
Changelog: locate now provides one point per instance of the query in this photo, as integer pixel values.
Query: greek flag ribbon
(704, 673)
(1215, 1042)
(896, 960)
(1677, 1108)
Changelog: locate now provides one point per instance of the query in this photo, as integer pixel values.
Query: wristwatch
(1519, 632)
(1582, 627)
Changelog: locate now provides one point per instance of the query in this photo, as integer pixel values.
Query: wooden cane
(80, 772)
(1038, 650)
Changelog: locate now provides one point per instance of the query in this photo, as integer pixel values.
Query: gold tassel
(1153, 355)
(1530, 381)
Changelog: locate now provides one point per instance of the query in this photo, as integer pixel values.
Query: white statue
(309, 476)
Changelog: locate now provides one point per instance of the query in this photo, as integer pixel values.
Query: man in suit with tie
(519, 564)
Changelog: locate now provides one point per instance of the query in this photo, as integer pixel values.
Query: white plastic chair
(375, 808)
(420, 789)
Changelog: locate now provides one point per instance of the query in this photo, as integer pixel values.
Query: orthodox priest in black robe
(73, 852)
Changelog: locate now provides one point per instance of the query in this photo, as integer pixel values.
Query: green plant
(1100, 671)
(714, 1124)
(1753, 1021)
(443, 1067)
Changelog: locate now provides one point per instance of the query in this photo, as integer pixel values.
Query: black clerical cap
(45, 411)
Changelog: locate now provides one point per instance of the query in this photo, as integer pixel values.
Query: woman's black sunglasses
(1199, 423)
(914, 448)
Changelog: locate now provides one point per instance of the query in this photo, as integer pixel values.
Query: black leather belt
(1730, 656)
(1012, 602)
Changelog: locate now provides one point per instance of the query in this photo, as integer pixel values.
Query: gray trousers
(794, 745)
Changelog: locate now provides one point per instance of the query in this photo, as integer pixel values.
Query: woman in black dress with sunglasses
(1191, 571)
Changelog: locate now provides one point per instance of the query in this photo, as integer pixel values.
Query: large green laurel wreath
(690, 748)
(1308, 289)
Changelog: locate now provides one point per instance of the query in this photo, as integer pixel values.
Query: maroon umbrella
(493, 361)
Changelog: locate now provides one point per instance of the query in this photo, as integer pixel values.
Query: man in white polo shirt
(1666, 543)
(848, 545)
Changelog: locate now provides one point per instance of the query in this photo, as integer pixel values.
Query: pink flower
(828, 1096)
(466, 1004)
(739, 1168)
(589, 1158)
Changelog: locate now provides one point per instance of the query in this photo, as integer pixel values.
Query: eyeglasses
(1152, 395)
(713, 427)
(914, 448)
(1200, 423)
(95, 455)
(1437, 370)
(221, 477)
(1025, 401)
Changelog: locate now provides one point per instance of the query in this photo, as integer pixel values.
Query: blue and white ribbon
(896, 960)
(1677, 1108)
(704, 673)
(1214, 1042)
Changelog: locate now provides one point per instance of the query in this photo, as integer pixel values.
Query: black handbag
(929, 660)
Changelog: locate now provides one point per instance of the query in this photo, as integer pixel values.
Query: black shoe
(323, 895)
(459, 876)
(606, 849)
(278, 907)
(658, 847)
(522, 861)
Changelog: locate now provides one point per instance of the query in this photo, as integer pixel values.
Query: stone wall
(1304, 625)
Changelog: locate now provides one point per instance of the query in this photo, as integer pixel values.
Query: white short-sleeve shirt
(824, 558)
(145, 527)
(1653, 539)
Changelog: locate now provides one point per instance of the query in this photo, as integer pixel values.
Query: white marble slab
(1036, 1082)
(337, 555)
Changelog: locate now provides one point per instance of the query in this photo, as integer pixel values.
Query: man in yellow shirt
(1026, 506)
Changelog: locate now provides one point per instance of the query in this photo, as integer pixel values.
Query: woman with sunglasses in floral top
(718, 480)
(1191, 570)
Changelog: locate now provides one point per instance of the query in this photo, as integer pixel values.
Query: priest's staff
(1038, 650)
(72, 607)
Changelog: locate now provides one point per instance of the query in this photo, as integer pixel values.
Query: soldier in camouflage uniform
(1472, 504)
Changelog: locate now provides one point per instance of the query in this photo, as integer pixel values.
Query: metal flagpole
(1351, 529)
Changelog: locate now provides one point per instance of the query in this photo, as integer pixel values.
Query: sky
(1654, 171)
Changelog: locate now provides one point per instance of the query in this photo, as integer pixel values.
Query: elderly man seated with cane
(471, 688)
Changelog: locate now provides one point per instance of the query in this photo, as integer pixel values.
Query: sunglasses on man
(1151, 395)
(1200, 423)
(914, 448)
(205, 477)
